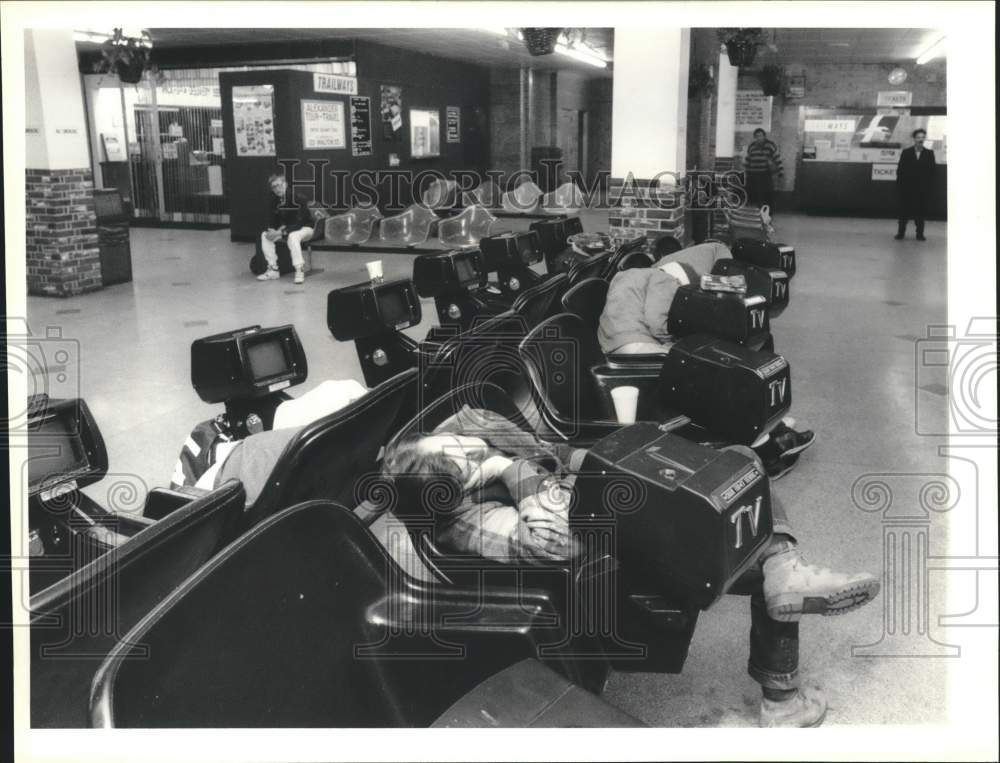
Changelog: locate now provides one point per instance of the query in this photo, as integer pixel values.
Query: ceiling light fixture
(933, 51)
(584, 55)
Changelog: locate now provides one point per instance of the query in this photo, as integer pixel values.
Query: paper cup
(374, 270)
(626, 400)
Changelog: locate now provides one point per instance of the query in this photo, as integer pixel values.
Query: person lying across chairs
(634, 321)
(514, 507)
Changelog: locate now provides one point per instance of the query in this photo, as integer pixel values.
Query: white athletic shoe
(300, 277)
(270, 274)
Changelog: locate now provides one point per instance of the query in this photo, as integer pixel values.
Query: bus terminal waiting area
(444, 404)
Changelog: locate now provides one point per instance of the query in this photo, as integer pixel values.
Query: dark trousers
(912, 206)
(760, 189)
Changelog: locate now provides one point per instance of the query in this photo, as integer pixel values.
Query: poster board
(114, 151)
(453, 124)
(425, 133)
(871, 137)
(361, 126)
(253, 120)
(323, 125)
(753, 111)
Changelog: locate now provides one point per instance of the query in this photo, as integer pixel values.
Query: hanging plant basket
(741, 44)
(127, 57)
(541, 41)
(772, 79)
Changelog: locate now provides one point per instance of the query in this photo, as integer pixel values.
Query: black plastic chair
(596, 267)
(541, 301)
(306, 622)
(586, 299)
(76, 622)
(573, 380)
(327, 458)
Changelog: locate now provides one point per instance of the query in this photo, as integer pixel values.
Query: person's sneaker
(898, 237)
(300, 277)
(921, 238)
(269, 275)
(776, 463)
(803, 710)
(789, 441)
(793, 588)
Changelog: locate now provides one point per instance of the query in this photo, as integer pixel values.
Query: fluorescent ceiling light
(87, 36)
(933, 51)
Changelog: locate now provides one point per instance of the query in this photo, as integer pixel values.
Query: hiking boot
(793, 588)
(789, 441)
(269, 275)
(300, 277)
(776, 463)
(803, 710)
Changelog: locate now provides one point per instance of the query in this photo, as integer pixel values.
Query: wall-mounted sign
(884, 171)
(169, 150)
(453, 124)
(323, 125)
(753, 111)
(361, 126)
(796, 86)
(894, 98)
(830, 125)
(253, 120)
(891, 111)
(335, 83)
(391, 109)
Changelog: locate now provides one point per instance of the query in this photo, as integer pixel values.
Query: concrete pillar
(61, 241)
(725, 123)
(649, 133)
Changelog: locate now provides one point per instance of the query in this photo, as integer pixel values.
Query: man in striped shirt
(761, 162)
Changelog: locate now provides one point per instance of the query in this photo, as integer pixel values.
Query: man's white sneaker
(269, 275)
(300, 277)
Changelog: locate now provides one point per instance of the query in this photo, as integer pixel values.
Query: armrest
(654, 361)
(162, 501)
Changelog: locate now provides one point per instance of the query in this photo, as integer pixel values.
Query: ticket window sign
(897, 98)
(884, 172)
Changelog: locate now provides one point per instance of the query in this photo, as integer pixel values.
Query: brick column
(61, 233)
(645, 208)
(61, 228)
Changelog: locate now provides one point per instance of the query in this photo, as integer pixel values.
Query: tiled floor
(860, 301)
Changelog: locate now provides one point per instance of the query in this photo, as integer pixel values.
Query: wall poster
(391, 109)
(453, 124)
(753, 111)
(253, 120)
(323, 125)
(361, 126)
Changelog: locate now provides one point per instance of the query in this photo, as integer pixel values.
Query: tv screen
(266, 359)
(53, 449)
(465, 270)
(392, 307)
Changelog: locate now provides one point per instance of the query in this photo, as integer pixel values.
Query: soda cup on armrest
(626, 400)
(374, 271)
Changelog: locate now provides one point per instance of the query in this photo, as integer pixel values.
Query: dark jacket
(293, 215)
(915, 175)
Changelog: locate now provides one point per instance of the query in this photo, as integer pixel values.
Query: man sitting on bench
(634, 321)
(290, 222)
(515, 508)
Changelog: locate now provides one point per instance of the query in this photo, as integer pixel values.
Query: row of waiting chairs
(420, 222)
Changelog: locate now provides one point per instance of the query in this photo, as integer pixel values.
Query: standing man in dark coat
(915, 181)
